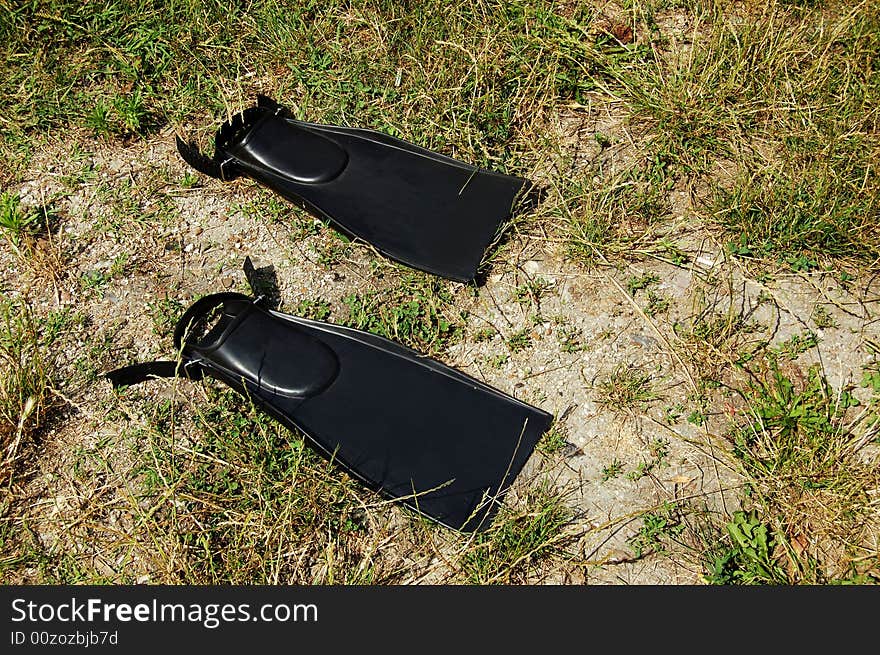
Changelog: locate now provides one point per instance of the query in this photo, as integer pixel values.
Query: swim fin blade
(410, 427)
(423, 209)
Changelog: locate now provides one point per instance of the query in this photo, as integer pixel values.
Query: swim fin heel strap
(442, 442)
(418, 207)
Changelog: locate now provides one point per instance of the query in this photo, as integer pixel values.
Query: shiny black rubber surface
(423, 209)
(444, 443)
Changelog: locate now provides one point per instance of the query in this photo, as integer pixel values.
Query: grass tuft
(247, 503)
(520, 541)
(805, 456)
(627, 388)
(26, 379)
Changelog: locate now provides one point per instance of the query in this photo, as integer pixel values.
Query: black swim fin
(444, 443)
(417, 207)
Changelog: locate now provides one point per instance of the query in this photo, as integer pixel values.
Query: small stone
(705, 261)
(532, 267)
(643, 340)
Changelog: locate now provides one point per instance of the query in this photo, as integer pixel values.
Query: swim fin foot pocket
(410, 427)
(418, 207)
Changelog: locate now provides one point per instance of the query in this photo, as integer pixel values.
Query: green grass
(612, 470)
(318, 310)
(770, 121)
(246, 503)
(417, 311)
(787, 94)
(657, 529)
(166, 312)
(218, 493)
(25, 384)
(627, 388)
(606, 212)
(250, 493)
(125, 68)
(520, 541)
(555, 440)
(802, 451)
(16, 223)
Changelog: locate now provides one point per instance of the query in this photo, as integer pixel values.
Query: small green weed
(612, 470)
(749, 557)
(659, 450)
(657, 304)
(571, 339)
(871, 380)
(797, 344)
(165, 312)
(520, 340)
(673, 252)
(15, 222)
(657, 527)
(822, 318)
(674, 413)
(417, 313)
(641, 282)
(484, 334)
(189, 180)
(317, 310)
(94, 280)
(333, 250)
(131, 112)
(555, 440)
(531, 291)
(697, 417)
